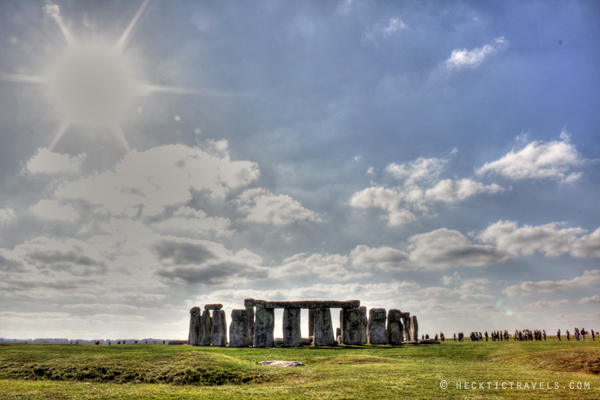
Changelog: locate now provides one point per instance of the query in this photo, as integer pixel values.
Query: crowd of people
(578, 334)
(519, 335)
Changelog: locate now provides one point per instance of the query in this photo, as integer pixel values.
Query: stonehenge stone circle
(237, 329)
(255, 324)
(377, 332)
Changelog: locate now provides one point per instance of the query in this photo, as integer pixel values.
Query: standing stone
(364, 322)
(338, 332)
(351, 331)
(406, 325)
(237, 329)
(311, 322)
(376, 331)
(394, 327)
(323, 327)
(194, 335)
(264, 327)
(342, 322)
(414, 329)
(249, 304)
(219, 329)
(292, 336)
(205, 329)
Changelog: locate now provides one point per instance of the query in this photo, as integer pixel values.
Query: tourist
(568, 335)
(593, 336)
(455, 336)
(583, 334)
(558, 334)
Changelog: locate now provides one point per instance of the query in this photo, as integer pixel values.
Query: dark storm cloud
(212, 274)
(181, 253)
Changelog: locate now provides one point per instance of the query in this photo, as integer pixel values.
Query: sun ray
(54, 12)
(61, 130)
(119, 132)
(23, 78)
(119, 45)
(143, 87)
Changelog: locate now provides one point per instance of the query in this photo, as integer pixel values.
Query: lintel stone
(213, 306)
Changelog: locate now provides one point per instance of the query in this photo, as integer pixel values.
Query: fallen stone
(278, 363)
(205, 329)
(213, 306)
(394, 327)
(264, 327)
(377, 332)
(194, 334)
(292, 336)
(410, 342)
(219, 328)
(237, 329)
(323, 328)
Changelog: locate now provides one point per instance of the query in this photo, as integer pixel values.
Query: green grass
(37, 371)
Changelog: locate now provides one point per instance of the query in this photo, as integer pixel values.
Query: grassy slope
(180, 372)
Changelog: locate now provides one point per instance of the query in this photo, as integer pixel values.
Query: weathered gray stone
(339, 339)
(219, 328)
(394, 327)
(278, 363)
(352, 326)
(237, 329)
(249, 302)
(414, 328)
(259, 303)
(194, 334)
(205, 329)
(307, 341)
(213, 306)
(376, 331)
(364, 322)
(429, 341)
(338, 332)
(308, 304)
(406, 323)
(311, 322)
(249, 324)
(323, 328)
(341, 323)
(278, 341)
(264, 327)
(292, 336)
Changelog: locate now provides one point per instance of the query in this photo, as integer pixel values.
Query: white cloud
(159, 177)
(589, 300)
(384, 258)
(7, 216)
(539, 160)
(548, 239)
(463, 58)
(329, 266)
(186, 220)
(451, 191)
(388, 200)
(264, 207)
(384, 30)
(370, 171)
(48, 162)
(526, 288)
(420, 187)
(445, 248)
(51, 209)
(548, 304)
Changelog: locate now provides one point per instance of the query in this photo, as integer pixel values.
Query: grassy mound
(584, 360)
(124, 365)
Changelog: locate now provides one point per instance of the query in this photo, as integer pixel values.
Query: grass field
(138, 371)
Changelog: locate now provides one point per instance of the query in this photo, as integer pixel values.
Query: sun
(94, 85)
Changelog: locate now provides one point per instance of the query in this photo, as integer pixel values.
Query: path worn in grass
(36, 371)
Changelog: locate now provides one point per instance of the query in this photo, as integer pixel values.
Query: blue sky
(436, 157)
